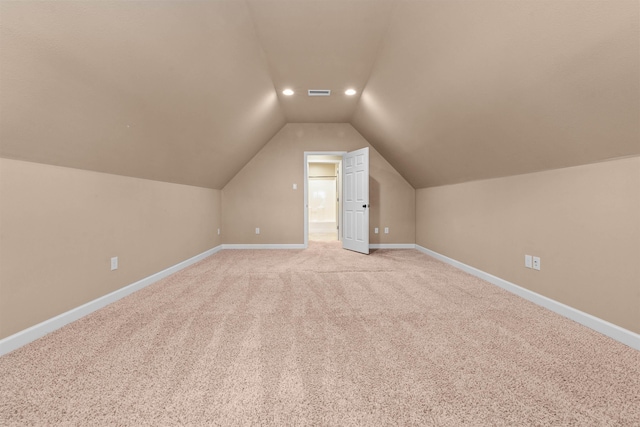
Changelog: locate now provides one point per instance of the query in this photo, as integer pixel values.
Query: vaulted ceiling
(448, 91)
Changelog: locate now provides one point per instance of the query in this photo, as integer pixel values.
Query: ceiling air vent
(319, 92)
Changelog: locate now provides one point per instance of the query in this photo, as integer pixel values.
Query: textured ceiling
(448, 91)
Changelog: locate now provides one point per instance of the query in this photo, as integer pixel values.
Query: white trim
(28, 335)
(264, 246)
(622, 335)
(392, 246)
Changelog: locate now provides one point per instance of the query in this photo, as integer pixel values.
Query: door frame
(306, 190)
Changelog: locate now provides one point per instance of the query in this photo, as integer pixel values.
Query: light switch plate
(528, 261)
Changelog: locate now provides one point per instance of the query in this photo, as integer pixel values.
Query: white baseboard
(264, 246)
(392, 246)
(609, 329)
(28, 335)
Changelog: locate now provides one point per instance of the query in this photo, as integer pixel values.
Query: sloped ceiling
(448, 91)
(320, 45)
(170, 91)
(467, 90)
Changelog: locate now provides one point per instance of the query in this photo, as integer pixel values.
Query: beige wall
(584, 223)
(59, 227)
(261, 194)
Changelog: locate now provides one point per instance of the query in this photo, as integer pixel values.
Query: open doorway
(323, 188)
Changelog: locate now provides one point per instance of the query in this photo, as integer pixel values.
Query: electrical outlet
(536, 263)
(114, 263)
(386, 230)
(375, 230)
(295, 186)
(257, 230)
(528, 261)
(218, 231)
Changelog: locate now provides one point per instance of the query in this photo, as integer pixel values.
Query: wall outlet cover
(114, 263)
(375, 230)
(257, 230)
(536, 263)
(528, 261)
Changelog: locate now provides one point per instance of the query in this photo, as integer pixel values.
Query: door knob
(365, 206)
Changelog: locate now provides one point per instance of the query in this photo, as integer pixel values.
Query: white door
(355, 200)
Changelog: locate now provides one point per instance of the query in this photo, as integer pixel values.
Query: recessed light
(288, 92)
(350, 92)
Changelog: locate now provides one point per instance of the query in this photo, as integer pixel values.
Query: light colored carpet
(322, 337)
